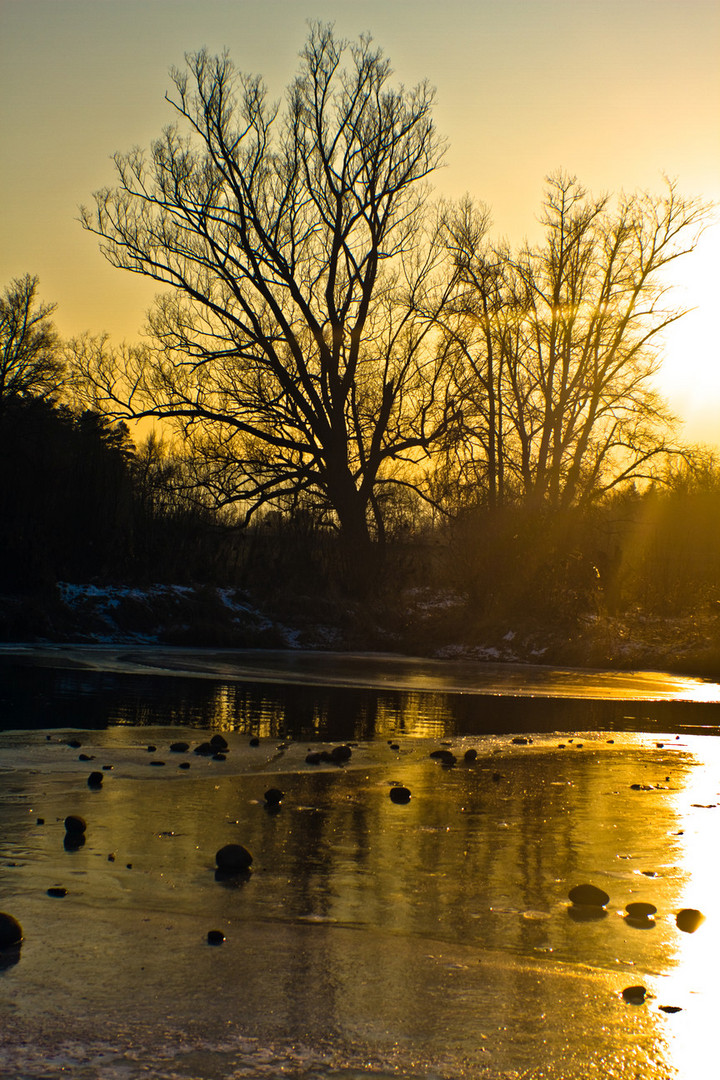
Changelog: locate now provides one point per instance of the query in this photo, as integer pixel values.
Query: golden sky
(617, 93)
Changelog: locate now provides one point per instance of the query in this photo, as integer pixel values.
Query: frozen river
(430, 939)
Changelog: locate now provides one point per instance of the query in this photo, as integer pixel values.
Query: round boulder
(340, 754)
(179, 747)
(215, 937)
(400, 794)
(10, 931)
(218, 743)
(233, 859)
(588, 896)
(634, 995)
(689, 919)
(273, 796)
(95, 780)
(75, 824)
(640, 910)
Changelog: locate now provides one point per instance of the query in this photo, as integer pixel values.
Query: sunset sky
(617, 93)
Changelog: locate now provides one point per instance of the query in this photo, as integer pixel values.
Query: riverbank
(417, 622)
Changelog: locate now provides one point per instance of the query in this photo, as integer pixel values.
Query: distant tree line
(351, 380)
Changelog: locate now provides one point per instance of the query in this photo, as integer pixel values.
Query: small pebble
(215, 937)
(254, 741)
(75, 824)
(179, 747)
(273, 796)
(470, 755)
(400, 794)
(95, 780)
(57, 890)
(634, 995)
(184, 765)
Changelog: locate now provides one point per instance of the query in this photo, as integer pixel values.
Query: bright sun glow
(690, 376)
(691, 983)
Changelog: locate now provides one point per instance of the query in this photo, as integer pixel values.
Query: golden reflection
(692, 983)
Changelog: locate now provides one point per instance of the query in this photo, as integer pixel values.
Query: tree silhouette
(556, 346)
(30, 361)
(291, 348)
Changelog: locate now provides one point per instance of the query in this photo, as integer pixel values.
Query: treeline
(80, 502)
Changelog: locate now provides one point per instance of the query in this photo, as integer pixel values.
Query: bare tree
(557, 346)
(291, 348)
(29, 346)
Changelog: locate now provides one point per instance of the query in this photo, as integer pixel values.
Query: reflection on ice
(431, 935)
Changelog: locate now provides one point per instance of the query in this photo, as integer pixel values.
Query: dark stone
(86, 757)
(111, 857)
(689, 919)
(254, 741)
(394, 746)
(400, 794)
(520, 740)
(497, 777)
(179, 747)
(11, 932)
(218, 743)
(74, 743)
(219, 757)
(107, 768)
(233, 859)
(184, 765)
(75, 824)
(640, 910)
(151, 749)
(57, 890)
(634, 995)
(73, 841)
(340, 754)
(445, 756)
(588, 896)
(95, 779)
(157, 762)
(273, 796)
(215, 937)
(204, 749)
(40, 821)
(670, 1008)
(313, 758)
(470, 755)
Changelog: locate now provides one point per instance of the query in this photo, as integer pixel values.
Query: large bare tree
(291, 348)
(556, 346)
